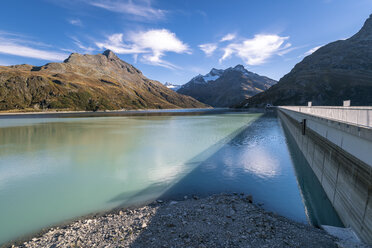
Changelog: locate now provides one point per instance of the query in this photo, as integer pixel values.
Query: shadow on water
(176, 190)
(218, 169)
(318, 207)
(70, 149)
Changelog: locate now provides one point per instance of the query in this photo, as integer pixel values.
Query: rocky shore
(225, 220)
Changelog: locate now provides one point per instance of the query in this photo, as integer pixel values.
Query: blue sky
(174, 40)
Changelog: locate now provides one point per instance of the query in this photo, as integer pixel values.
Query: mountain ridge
(340, 70)
(85, 82)
(223, 88)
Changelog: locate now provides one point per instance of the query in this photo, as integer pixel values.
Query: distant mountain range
(85, 82)
(171, 86)
(224, 88)
(341, 70)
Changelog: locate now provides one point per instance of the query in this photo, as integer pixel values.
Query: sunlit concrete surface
(360, 116)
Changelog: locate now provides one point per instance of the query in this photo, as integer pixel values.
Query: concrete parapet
(360, 116)
(354, 139)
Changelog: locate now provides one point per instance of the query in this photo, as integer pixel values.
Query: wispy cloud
(135, 8)
(257, 50)
(208, 48)
(151, 44)
(78, 43)
(19, 46)
(23, 51)
(21, 38)
(287, 49)
(228, 37)
(202, 13)
(312, 50)
(135, 58)
(76, 22)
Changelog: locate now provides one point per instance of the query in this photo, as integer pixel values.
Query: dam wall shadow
(198, 180)
(319, 208)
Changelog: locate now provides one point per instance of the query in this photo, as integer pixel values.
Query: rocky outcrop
(85, 82)
(223, 88)
(341, 70)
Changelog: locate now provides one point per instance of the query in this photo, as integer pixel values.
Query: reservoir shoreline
(138, 112)
(55, 113)
(226, 220)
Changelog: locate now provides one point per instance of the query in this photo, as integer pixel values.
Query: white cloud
(312, 50)
(257, 50)
(152, 44)
(228, 37)
(115, 43)
(159, 40)
(141, 9)
(76, 22)
(208, 48)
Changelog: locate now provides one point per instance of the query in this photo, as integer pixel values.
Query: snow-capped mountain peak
(171, 86)
(239, 68)
(209, 77)
(224, 88)
(198, 79)
(215, 71)
(213, 75)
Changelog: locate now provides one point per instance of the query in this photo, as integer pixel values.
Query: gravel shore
(225, 220)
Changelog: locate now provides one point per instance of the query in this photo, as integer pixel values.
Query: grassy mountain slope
(85, 82)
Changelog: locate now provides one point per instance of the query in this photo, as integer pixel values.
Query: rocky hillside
(85, 82)
(223, 88)
(341, 70)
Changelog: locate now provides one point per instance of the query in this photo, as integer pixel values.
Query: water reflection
(260, 162)
(255, 161)
(318, 208)
(55, 169)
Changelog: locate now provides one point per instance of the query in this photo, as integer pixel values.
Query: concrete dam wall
(339, 151)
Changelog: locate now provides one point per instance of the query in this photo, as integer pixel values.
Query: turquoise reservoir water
(53, 170)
